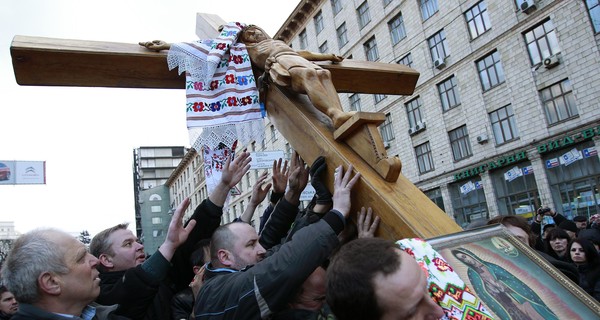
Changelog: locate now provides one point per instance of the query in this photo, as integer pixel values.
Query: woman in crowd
(557, 243)
(586, 258)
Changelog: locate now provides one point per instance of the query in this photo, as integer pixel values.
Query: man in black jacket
(144, 289)
(241, 285)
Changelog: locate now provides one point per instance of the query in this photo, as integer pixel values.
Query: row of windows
(557, 100)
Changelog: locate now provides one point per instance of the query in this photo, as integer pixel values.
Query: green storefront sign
(498, 163)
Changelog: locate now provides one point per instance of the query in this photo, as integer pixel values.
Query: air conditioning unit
(411, 131)
(527, 6)
(439, 63)
(551, 62)
(482, 138)
(386, 144)
(420, 126)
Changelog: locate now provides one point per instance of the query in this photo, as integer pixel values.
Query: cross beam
(404, 209)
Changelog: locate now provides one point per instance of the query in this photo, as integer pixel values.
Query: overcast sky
(87, 135)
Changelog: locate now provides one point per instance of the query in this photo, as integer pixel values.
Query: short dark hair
(197, 257)
(350, 277)
(515, 221)
(222, 238)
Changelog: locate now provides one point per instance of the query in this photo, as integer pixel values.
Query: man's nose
(139, 246)
(260, 250)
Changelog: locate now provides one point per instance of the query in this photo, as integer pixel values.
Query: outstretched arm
(177, 233)
(233, 172)
(258, 195)
(314, 56)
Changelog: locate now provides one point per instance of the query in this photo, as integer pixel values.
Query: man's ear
(106, 261)
(225, 257)
(49, 283)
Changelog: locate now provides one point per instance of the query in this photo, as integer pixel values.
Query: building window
(386, 2)
(342, 35)
(490, 71)
(397, 31)
(303, 39)
(406, 60)
(428, 8)
(436, 196)
(273, 134)
(449, 93)
(424, 157)
(593, 7)
(379, 97)
(478, 19)
(157, 233)
(558, 102)
(323, 47)
(248, 180)
(156, 209)
(459, 141)
(371, 49)
(363, 14)
(438, 46)
(336, 6)
(516, 190)
(318, 19)
(503, 124)
(468, 202)
(355, 102)
(413, 111)
(264, 144)
(156, 220)
(541, 42)
(387, 129)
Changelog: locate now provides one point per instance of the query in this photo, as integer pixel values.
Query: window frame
(387, 128)
(371, 51)
(303, 39)
(497, 65)
(424, 158)
(596, 8)
(342, 35)
(355, 101)
(413, 111)
(397, 28)
(318, 21)
(444, 93)
(436, 42)
(363, 15)
(536, 42)
(409, 59)
(505, 123)
(336, 6)
(428, 8)
(460, 144)
(481, 16)
(565, 95)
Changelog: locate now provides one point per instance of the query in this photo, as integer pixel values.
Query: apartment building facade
(504, 117)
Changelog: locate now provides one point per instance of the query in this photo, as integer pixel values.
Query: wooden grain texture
(405, 211)
(40, 61)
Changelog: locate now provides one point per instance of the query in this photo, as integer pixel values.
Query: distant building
(152, 168)
(7, 230)
(505, 115)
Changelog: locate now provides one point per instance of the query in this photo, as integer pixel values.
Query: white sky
(87, 135)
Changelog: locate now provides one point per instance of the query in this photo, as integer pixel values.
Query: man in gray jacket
(240, 284)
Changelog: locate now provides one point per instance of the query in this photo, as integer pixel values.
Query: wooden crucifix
(404, 210)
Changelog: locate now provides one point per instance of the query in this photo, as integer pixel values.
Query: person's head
(580, 222)
(117, 248)
(467, 258)
(311, 295)
(570, 227)
(371, 278)
(201, 255)
(235, 245)
(52, 270)
(557, 240)
(517, 226)
(583, 251)
(8, 303)
(593, 235)
(253, 34)
(547, 228)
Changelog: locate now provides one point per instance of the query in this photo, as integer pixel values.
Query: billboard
(22, 172)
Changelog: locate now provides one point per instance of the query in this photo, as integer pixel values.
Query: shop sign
(590, 152)
(513, 173)
(570, 157)
(551, 163)
(568, 140)
(498, 163)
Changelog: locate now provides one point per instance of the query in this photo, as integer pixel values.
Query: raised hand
(316, 171)
(280, 176)
(366, 229)
(234, 171)
(342, 185)
(177, 233)
(298, 179)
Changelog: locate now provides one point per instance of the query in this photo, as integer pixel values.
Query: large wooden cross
(404, 210)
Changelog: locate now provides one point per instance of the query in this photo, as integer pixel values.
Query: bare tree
(84, 236)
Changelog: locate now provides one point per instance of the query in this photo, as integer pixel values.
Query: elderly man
(241, 285)
(54, 277)
(144, 289)
(8, 303)
(372, 278)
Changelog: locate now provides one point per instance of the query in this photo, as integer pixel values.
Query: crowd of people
(314, 263)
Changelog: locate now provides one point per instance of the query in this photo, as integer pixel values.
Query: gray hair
(100, 243)
(32, 254)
